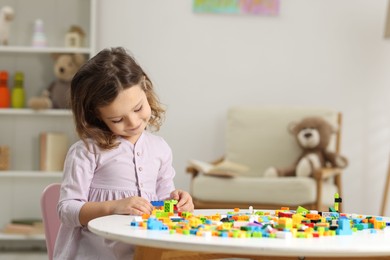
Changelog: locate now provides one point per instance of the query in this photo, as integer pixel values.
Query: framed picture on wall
(246, 7)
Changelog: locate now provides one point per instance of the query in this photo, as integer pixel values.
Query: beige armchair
(257, 137)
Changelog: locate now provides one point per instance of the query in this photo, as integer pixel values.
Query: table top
(117, 227)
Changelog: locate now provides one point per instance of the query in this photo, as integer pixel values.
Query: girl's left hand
(184, 200)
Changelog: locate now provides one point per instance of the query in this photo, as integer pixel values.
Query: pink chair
(51, 221)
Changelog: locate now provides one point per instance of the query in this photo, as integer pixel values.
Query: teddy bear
(57, 94)
(313, 135)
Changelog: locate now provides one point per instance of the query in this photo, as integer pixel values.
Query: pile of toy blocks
(283, 223)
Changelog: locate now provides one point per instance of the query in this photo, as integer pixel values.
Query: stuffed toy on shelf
(313, 135)
(58, 92)
(6, 16)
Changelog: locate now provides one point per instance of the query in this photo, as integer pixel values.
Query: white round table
(359, 244)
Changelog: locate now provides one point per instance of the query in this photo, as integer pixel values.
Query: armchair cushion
(287, 190)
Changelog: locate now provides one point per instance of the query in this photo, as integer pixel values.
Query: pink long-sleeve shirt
(144, 169)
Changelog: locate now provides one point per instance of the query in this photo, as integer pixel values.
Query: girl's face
(129, 114)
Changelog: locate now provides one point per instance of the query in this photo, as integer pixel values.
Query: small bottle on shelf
(18, 95)
(39, 36)
(4, 91)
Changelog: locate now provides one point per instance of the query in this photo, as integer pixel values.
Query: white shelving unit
(21, 186)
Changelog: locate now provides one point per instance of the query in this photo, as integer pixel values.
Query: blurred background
(325, 53)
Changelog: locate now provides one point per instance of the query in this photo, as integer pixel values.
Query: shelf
(22, 184)
(30, 49)
(29, 174)
(11, 237)
(27, 111)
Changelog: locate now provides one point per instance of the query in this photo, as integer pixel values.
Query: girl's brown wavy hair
(98, 83)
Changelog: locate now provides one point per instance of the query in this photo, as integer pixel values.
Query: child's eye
(117, 121)
(139, 109)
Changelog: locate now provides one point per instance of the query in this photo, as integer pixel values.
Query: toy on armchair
(313, 135)
(57, 94)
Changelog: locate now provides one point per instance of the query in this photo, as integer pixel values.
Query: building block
(157, 203)
(278, 224)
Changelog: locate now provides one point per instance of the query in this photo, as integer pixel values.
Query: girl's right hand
(133, 206)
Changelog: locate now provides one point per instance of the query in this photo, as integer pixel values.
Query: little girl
(117, 167)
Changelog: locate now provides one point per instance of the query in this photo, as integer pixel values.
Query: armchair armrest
(323, 174)
(326, 173)
(192, 170)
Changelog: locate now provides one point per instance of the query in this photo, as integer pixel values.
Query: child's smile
(129, 114)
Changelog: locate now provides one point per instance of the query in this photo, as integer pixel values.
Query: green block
(302, 210)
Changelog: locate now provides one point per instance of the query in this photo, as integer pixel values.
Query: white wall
(315, 52)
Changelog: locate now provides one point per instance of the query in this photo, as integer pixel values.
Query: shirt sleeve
(165, 184)
(79, 169)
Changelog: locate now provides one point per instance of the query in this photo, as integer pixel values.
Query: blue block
(344, 227)
(224, 234)
(154, 224)
(157, 203)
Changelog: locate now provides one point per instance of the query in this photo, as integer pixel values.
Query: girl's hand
(133, 206)
(184, 200)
